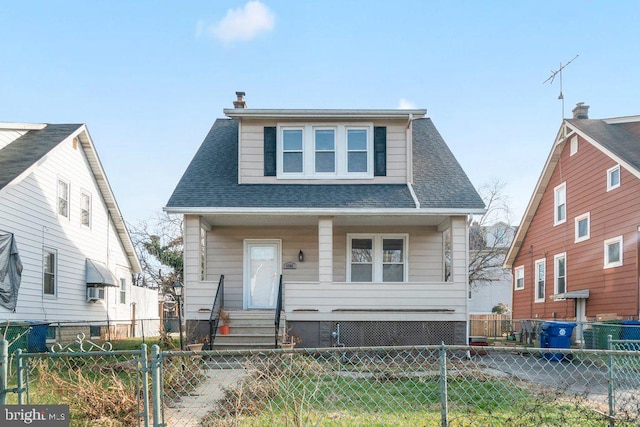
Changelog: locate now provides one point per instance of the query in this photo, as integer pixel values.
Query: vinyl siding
(613, 213)
(225, 256)
(251, 156)
(28, 208)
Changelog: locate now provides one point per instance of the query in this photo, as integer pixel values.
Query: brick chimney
(240, 103)
(581, 111)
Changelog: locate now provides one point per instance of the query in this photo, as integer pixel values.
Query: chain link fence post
(20, 368)
(144, 369)
(156, 386)
(610, 387)
(4, 372)
(443, 386)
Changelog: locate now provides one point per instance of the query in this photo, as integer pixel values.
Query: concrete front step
(249, 330)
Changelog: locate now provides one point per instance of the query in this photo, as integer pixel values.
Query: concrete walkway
(190, 409)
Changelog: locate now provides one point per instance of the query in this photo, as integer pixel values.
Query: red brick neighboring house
(576, 253)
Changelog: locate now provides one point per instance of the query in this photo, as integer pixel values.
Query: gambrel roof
(618, 138)
(211, 181)
(19, 157)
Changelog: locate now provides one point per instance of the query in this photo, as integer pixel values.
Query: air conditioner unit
(94, 294)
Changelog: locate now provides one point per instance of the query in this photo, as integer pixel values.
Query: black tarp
(10, 271)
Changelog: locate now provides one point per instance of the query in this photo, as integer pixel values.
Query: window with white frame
(123, 291)
(540, 273)
(63, 197)
(85, 209)
(582, 227)
(574, 146)
(377, 258)
(49, 271)
(613, 252)
(560, 273)
(324, 152)
(560, 204)
(518, 279)
(613, 178)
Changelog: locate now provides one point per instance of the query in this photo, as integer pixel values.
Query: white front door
(261, 273)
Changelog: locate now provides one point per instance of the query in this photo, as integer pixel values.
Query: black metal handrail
(214, 317)
(278, 311)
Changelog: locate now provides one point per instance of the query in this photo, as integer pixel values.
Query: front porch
(418, 267)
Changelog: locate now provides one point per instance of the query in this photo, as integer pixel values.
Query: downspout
(409, 136)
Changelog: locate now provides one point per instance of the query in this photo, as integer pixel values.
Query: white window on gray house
(49, 271)
(357, 150)
(325, 150)
(518, 279)
(540, 279)
(85, 209)
(63, 198)
(560, 204)
(560, 273)
(613, 178)
(582, 227)
(292, 155)
(313, 151)
(377, 258)
(123, 291)
(613, 255)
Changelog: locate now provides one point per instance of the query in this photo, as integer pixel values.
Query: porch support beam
(325, 250)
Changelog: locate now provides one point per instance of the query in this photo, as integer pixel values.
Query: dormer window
(321, 151)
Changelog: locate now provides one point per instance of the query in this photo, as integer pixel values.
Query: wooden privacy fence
(489, 325)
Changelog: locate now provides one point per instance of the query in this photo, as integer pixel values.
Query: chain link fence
(401, 386)
(102, 387)
(341, 386)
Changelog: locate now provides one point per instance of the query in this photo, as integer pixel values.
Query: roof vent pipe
(240, 103)
(581, 111)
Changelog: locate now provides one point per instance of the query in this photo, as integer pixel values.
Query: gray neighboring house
(361, 213)
(488, 246)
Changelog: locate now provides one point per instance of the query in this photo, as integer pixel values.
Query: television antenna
(553, 76)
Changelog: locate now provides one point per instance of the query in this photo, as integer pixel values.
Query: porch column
(325, 250)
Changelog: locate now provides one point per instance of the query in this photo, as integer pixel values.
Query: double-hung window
(123, 291)
(377, 258)
(323, 151)
(85, 209)
(613, 254)
(63, 198)
(560, 273)
(560, 204)
(519, 278)
(49, 271)
(540, 279)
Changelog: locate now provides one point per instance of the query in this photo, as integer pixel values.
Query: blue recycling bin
(556, 335)
(37, 337)
(631, 331)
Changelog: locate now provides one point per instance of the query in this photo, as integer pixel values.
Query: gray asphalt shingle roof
(614, 137)
(211, 180)
(19, 155)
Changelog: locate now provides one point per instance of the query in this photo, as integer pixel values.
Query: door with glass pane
(261, 273)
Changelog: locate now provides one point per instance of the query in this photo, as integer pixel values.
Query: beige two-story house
(360, 215)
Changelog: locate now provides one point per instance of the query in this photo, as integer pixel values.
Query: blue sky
(149, 78)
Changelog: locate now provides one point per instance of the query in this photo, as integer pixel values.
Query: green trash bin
(16, 333)
(602, 330)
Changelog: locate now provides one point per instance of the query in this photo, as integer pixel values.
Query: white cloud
(243, 24)
(406, 105)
